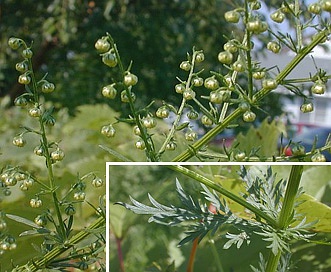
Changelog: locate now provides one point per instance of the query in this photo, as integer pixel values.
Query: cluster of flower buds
(12, 176)
(30, 98)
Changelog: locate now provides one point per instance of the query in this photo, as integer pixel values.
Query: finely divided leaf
(139, 208)
(158, 205)
(160, 214)
(212, 197)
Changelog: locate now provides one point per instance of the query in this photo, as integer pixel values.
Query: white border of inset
(178, 163)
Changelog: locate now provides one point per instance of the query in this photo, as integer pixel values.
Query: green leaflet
(309, 206)
(23, 220)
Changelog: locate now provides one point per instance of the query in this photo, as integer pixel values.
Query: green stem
(287, 210)
(281, 158)
(204, 110)
(298, 25)
(189, 153)
(35, 265)
(60, 249)
(223, 111)
(248, 45)
(290, 195)
(273, 261)
(182, 106)
(51, 178)
(226, 104)
(218, 188)
(47, 154)
(151, 155)
(250, 72)
(173, 128)
(293, 63)
(298, 80)
(33, 79)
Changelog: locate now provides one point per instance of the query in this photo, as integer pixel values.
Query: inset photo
(211, 217)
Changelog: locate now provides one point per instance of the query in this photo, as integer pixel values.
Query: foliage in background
(68, 30)
(157, 35)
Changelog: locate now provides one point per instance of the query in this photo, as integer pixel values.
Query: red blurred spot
(212, 209)
(288, 151)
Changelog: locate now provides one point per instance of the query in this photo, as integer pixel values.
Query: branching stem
(290, 195)
(150, 152)
(208, 136)
(187, 154)
(45, 146)
(182, 106)
(60, 249)
(218, 188)
(173, 128)
(286, 212)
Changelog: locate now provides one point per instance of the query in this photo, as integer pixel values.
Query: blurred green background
(155, 35)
